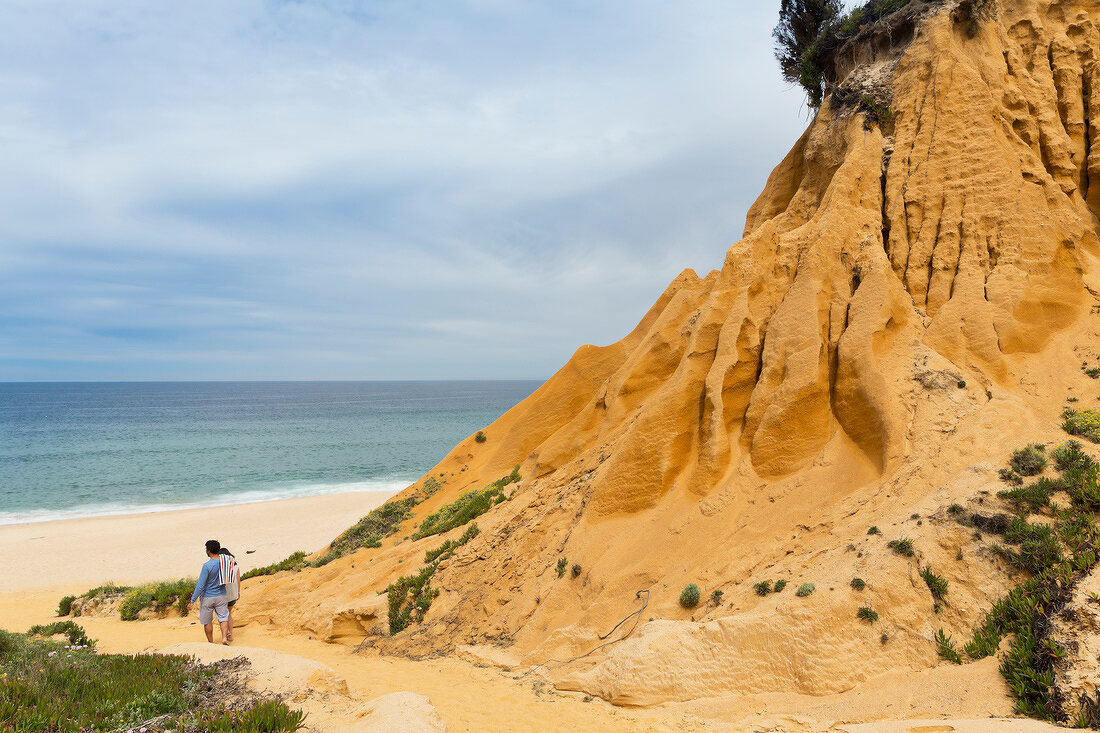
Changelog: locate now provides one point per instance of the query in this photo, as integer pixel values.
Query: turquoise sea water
(85, 449)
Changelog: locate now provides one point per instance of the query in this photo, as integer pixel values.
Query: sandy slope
(469, 696)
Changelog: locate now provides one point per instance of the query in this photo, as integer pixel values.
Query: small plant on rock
(937, 584)
(563, 563)
(779, 585)
(858, 584)
(480, 437)
(576, 570)
(763, 588)
(804, 590)
(903, 547)
(945, 647)
(716, 597)
(65, 605)
(868, 614)
(873, 530)
(689, 597)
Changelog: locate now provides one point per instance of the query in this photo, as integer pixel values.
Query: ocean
(90, 449)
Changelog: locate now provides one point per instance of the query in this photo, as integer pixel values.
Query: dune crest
(902, 312)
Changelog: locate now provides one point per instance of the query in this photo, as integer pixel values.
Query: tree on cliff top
(800, 24)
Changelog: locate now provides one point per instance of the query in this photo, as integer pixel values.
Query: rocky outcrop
(902, 311)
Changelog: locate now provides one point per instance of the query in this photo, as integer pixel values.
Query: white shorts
(211, 607)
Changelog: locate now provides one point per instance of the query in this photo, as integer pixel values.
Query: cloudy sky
(330, 189)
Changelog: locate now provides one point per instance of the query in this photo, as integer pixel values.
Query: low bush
(158, 596)
(451, 545)
(409, 597)
(297, 561)
(469, 506)
(1069, 455)
(716, 597)
(1033, 497)
(903, 547)
(868, 614)
(945, 647)
(65, 605)
(779, 585)
(937, 584)
(1039, 546)
(72, 631)
(480, 437)
(858, 584)
(763, 588)
(431, 485)
(804, 590)
(1030, 460)
(563, 563)
(1082, 423)
(370, 530)
(689, 596)
(873, 530)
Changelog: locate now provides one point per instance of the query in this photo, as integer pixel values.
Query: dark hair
(213, 547)
(225, 551)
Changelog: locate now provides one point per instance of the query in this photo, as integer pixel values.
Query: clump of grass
(689, 596)
(65, 605)
(1039, 546)
(716, 597)
(158, 596)
(1030, 460)
(480, 437)
(1083, 423)
(868, 614)
(763, 588)
(858, 584)
(945, 647)
(1092, 372)
(955, 509)
(779, 585)
(465, 508)
(873, 530)
(903, 547)
(937, 584)
(409, 597)
(1070, 455)
(1010, 476)
(296, 562)
(73, 632)
(1032, 497)
(804, 590)
(563, 563)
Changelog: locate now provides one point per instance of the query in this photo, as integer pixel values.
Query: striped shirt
(227, 570)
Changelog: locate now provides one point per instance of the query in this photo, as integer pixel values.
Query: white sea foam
(390, 485)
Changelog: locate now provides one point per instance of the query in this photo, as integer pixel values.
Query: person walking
(230, 576)
(211, 590)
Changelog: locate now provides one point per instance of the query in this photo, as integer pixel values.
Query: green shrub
(1092, 372)
(1069, 455)
(469, 506)
(689, 596)
(873, 530)
(1083, 423)
(945, 647)
(563, 563)
(1030, 460)
(65, 605)
(868, 614)
(716, 597)
(72, 631)
(158, 596)
(937, 584)
(370, 530)
(1039, 546)
(779, 585)
(296, 562)
(804, 590)
(763, 588)
(1034, 496)
(480, 437)
(431, 485)
(858, 584)
(903, 547)
(575, 570)
(961, 384)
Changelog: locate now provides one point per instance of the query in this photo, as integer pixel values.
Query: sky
(404, 189)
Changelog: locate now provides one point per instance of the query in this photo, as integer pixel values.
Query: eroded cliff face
(902, 311)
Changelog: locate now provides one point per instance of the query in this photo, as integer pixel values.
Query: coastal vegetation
(804, 590)
(296, 561)
(134, 599)
(52, 687)
(690, 595)
(370, 530)
(409, 597)
(868, 614)
(469, 506)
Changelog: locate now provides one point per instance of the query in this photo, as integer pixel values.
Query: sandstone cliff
(912, 298)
